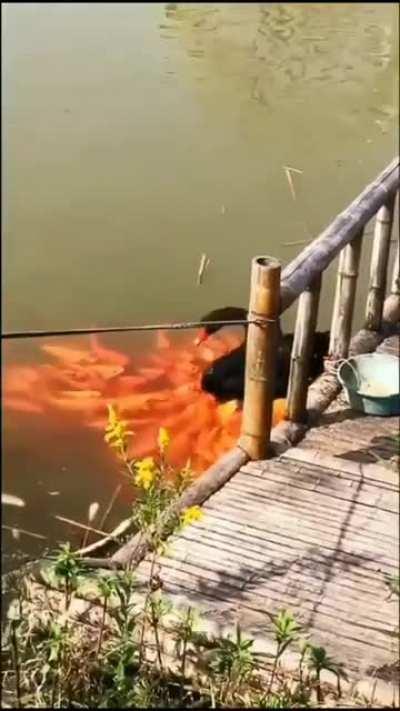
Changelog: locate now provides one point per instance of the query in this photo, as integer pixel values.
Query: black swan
(225, 377)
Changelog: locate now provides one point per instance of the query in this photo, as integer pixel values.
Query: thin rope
(120, 329)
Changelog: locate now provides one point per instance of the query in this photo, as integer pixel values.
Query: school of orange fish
(160, 388)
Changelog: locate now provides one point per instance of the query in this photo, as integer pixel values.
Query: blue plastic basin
(372, 383)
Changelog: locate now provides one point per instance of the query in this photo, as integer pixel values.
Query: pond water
(137, 137)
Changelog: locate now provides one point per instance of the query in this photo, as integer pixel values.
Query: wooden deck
(314, 531)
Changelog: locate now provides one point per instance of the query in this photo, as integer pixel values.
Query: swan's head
(213, 319)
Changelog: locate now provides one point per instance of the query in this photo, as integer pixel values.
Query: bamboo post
(391, 307)
(343, 308)
(379, 260)
(261, 353)
(306, 322)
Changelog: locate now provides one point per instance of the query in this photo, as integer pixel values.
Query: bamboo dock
(305, 516)
(315, 527)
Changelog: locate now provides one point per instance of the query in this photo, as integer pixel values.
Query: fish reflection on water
(160, 388)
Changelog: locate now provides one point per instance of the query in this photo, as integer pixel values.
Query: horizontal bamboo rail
(316, 257)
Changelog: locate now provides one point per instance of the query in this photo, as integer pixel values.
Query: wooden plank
(326, 527)
(308, 531)
(381, 476)
(259, 596)
(370, 471)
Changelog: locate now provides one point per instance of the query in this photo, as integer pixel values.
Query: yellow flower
(163, 439)
(146, 472)
(192, 514)
(116, 432)
(112, 415)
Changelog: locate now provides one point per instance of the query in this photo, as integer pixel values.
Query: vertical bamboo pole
(261, 354)
(379, 260)
(391, 307)
(306, 322)
(343, 308)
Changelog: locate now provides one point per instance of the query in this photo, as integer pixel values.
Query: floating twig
(26, 533)
(83, 526)
(204, 263)
(110, 505)
(118, 531)
(293, 244)
(92, 513)
(294, 170)
(288, 170)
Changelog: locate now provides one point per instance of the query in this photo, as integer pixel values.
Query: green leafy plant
(318, 661)
(285, 631)
(68, 568)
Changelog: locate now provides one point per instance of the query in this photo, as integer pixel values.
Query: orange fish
(108, 355)
(14, 403)
(127, 384)
(144, 444)
(64, 379)
(164, 389)
(20, 379)
(279, 411)
(69, 355)
(104, 372)
(162, 340)
(152, 374)
(135, 401)
(81, 394)
(88, 405)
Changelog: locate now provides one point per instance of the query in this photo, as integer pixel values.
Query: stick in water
(83, 526)
(204, 263)
(92, 513)
(288, 172)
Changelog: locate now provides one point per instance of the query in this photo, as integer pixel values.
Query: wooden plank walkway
(314, 531)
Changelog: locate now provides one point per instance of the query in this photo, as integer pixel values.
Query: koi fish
(69, 355)
(20, 405)
(104, 372)
(144, 444)
(81, 394)
(19, 379)
(279, 411)
(129, 383)
(226, 410)
(107, 355)
(152, 374)
(64, 379)
(180, 448)
(162, 340)
(87, 406)
(135, 401)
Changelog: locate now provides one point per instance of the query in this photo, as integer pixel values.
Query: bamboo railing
(269, 298)
(302, 280)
